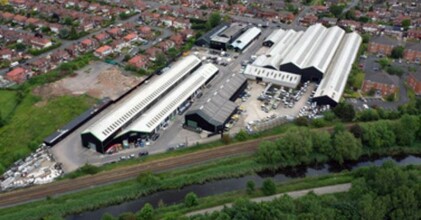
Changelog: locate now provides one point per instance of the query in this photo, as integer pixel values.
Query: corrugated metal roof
(277, 77)
(215, 107)
(159, 112)
(305, 46)
(141, 99)
(333, 84)
(242, 41)
(275, 36)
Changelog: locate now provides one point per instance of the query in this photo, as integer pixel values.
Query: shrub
(250, 186)
(191, 200)
(269, 187)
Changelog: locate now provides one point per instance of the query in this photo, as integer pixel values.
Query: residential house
(19, 19)
(138, 61)
(380, 82)
(326, 21)
(73, 50)
(351, 24)
(103, 51)
(168, 21)
(286, 17)
(59, 56)
(102, 37)
(153, 52)
(414, 81)
(412, 52)
(309, 19)
(130, 38)
(414, 33)
(382, 45)
(177, 39)
(181, 23)
(6, 54)
(40, 43)
(87, 45)
(18, 75)
(40, 65)
(115, 32)
(118, 45)
(165, 45)
(145, 32)
(371, 28)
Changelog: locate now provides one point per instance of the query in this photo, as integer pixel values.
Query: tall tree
(146, 213)
(213, 20)
(345, 147)
(344, 111)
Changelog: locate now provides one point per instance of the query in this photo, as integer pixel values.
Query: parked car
(154, 137)
(143, 153)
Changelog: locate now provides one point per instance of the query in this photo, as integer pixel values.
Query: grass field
(7, 102)
(35, 119)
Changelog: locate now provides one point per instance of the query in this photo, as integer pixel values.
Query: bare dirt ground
(97, 80)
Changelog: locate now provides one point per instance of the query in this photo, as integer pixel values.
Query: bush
(191, 200)
(242, 135)
(250, 187)
(147, 179)
(269, 187)
(146, 213)
(301, 121)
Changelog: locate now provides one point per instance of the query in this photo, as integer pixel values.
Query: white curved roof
(333, 84)
(305, 46)
(275, 36)
(242, 41)
(274, 76)
(117, 118)
(323, 53)
(159, 112)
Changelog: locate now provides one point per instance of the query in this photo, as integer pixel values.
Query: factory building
(212, 111)
(205, 39)
(101, 134)
(333, 84)
(276, 77)
(245, 39)
(222, 38)
(170, 105)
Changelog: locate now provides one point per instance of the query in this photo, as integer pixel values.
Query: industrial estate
(154, 90)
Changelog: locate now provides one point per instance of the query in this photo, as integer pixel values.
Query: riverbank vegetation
(393, 190)
(300, 146)
(388, 192)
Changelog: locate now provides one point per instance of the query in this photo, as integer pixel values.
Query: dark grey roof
(382, 77)
(205, 38)
(233, 30)
(385, 40)
(215, 107)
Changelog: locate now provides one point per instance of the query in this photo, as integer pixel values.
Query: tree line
(303, 146)
(377, 193)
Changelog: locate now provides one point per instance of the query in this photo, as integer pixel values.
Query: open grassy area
(34, 120)
(7, 102)
(30, 119)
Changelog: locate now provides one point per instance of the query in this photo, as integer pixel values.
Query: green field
(33, 120)
(7, 102)
(29, 119)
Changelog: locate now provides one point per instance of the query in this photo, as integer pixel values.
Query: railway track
(65, 186)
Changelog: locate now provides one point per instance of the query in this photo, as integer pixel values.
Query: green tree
(242, 135)
(344, 111)
(397, 52)
(160, 60)
(301, 121)
(127, 216)
(406, 23)
(366, 38)
(384, 63)
(68, 21)
(336, 10)
(63, 33)
(322, 142)
(394, 70)
(268, 187)
(250, 187)
(107, 216)
(213, 20)
(20, 47)
(406, 130)
(345, 147)
(147, 179)
(371, 207)
(191, 199)
(350, 15)
(267, 153)
(146, 213)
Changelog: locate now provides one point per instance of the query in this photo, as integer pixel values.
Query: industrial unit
(333, 84)
(169, 106)
(212, 111)
(245, 39)
(222, 38)
(101, 134)
(318, 54)
(205, 39)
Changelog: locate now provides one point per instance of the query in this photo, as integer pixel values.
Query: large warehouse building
(313, 55)
(168, 107)
(102, 133)
(212, 111)
(333, 84)
(246, 39)
(222, 39)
